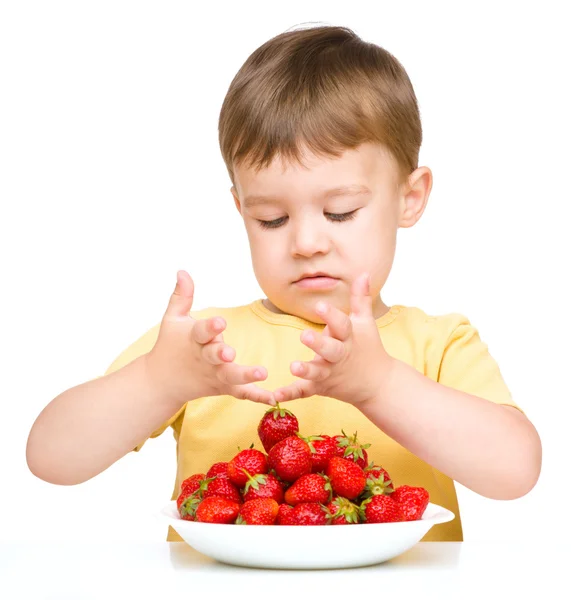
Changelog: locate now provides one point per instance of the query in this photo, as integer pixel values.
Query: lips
(315, 276)
(316, 283)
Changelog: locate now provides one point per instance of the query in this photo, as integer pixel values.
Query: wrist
(383, 386)
(158, 385)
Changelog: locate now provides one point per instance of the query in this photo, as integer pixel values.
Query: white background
(111, 180)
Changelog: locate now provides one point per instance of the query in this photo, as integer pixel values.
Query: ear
(236, 199)
(414, 196)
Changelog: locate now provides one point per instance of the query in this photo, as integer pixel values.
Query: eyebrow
(345, 190)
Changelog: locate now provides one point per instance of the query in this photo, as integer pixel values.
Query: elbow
(526, 468)
(40, 467)
(51, 476)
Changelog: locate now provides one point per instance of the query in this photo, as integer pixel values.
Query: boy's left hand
(350, 361)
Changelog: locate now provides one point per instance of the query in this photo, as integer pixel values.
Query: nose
(308, 238)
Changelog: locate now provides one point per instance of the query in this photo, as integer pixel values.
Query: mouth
(319, 275)
(315, 282)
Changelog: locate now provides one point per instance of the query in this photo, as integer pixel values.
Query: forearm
(484, 446)
(85, 429)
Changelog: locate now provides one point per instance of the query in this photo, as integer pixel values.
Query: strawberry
(188, 487)
(192, 483)
(291, 458)
(216, 509)
(347, 477)
(322, 447)
(412, 501)
(251, 460)
(188, 506)
(309, 513)
(349, 447)
(378, 482)
(312, 487)
(276, 424)
(285, 515)
(259, 511)
(343, 512)
(263, 486)
(219, 469)
(221, 486)
(380, 509)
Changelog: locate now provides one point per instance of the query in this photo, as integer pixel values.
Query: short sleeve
(141, 346)
(468, 366)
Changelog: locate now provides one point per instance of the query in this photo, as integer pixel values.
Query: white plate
(304, 547)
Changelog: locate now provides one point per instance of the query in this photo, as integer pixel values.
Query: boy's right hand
(190, 359)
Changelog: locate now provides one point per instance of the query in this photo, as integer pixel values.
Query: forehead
(356, 171)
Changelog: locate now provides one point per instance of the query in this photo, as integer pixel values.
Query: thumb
(180, 302)
(361, 300)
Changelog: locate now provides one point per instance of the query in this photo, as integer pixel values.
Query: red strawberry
(219, 469)
(188, 487)
(251, 460)
(276, 424)
(188, 506)
(378, 482)
(192, 483)
(312, 487)
(216, 509)
(309, 513)
(291, 458)
(263, 486)
(343, 512)
(259, 511)
(380, 509)
(349, 447)
(285, 515)
(322, 447)
(221, 486)
(412, 501)
(347, 477)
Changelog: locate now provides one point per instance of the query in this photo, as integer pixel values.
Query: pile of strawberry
(314, 480)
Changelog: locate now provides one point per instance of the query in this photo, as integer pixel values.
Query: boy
(320, 133)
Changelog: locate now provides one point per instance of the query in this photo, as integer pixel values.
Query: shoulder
(144, 343)
(437, 326)
(230, 313)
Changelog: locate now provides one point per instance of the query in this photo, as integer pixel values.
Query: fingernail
(258, 374)
(308, 337)
(321, 308)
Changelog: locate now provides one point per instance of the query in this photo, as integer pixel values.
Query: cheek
(265, 254)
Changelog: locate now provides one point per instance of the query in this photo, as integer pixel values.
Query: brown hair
(323, 87)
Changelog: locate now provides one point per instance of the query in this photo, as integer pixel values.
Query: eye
(336, 218)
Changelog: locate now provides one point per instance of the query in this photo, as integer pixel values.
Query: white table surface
(82, 570)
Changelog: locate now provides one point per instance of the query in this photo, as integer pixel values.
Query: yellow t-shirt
(445, 348)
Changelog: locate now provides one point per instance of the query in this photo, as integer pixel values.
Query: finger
(205, 330)
(233, 374)
(361, 301)
(331, 349)
(310, 370)
(339, 323)
(297, 389)
(217, 353)
(253, 393)
(181, 299)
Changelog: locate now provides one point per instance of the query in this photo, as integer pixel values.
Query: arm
(491, 449)
(87, 428)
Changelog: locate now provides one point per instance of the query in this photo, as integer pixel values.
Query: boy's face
(306, 238)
